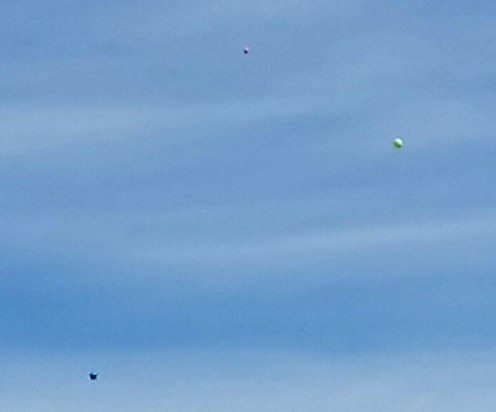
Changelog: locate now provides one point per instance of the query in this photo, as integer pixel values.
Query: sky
(214, 231)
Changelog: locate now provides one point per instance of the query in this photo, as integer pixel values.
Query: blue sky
(215, 231)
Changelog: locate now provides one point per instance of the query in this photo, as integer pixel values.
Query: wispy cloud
(246, 381)
(438, 241)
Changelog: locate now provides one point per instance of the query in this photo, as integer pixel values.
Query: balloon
(246, 50)
(398, 143)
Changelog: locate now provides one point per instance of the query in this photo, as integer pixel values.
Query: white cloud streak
(131, 238)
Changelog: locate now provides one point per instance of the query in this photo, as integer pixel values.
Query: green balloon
(398, 143)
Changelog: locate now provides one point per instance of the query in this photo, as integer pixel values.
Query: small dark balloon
(246, 50)
(93, 376)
